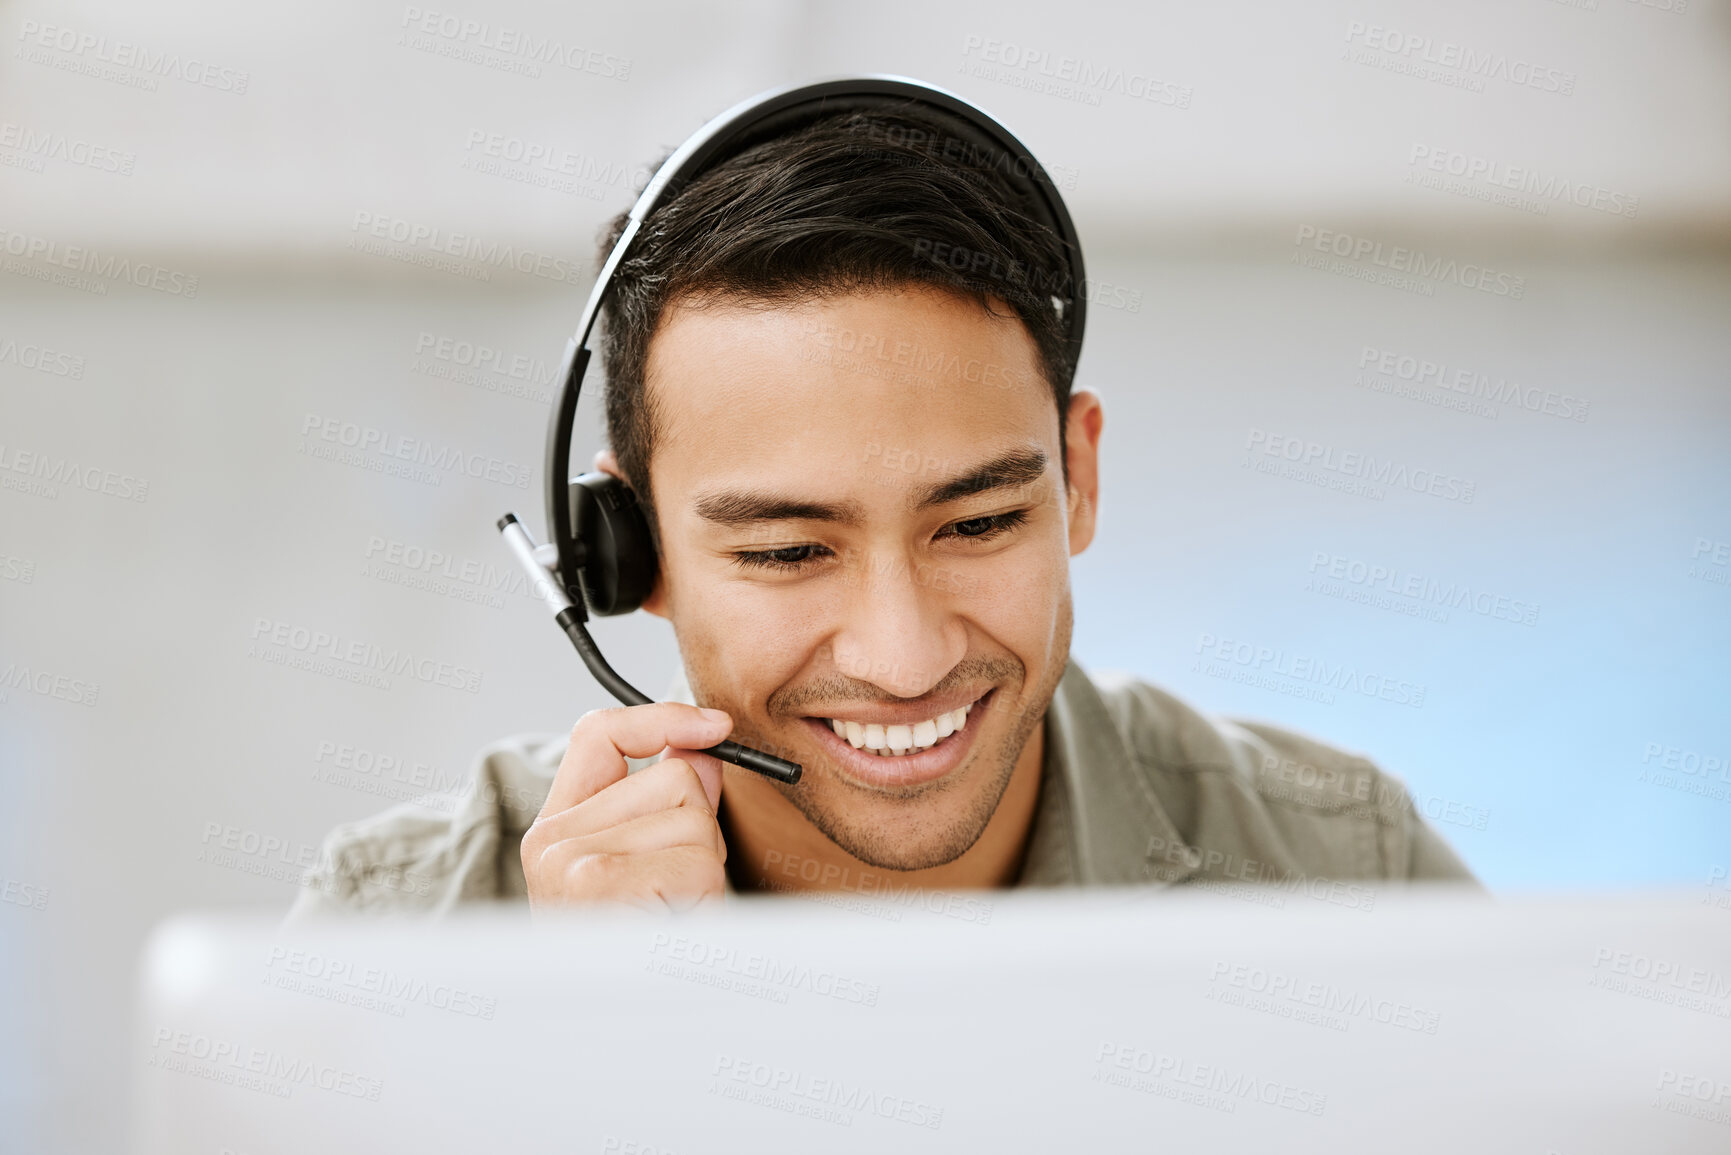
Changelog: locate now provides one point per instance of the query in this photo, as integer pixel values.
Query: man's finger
(602, 740)
(667, 785)
(682, 826)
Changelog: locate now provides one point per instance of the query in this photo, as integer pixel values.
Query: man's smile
(898, 745)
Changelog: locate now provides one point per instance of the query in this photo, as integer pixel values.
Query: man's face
(864, 521)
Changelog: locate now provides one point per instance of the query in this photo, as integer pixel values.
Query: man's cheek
(739, 650)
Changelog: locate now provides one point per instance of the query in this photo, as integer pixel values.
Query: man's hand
(649, 839)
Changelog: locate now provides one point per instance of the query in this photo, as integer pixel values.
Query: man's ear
(656, 602)
(1082, 455)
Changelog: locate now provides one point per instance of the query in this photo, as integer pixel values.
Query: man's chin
(885, 850)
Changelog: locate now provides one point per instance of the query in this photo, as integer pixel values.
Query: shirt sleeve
(1430, 858)
(1297, 773)
(417, 859)
(407, 860)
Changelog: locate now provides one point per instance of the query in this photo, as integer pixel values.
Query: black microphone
(543, 576)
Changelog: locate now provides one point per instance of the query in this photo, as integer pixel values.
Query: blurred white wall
(1248, 113)
(1573, 749)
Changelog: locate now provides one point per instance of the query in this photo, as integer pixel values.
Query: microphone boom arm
(544, 580)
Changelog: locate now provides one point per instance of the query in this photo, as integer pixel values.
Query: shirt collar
(1098, 817)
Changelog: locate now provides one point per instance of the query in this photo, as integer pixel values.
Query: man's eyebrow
(734, 507)
(1015, 468)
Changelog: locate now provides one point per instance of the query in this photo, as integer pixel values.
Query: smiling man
(865, 472)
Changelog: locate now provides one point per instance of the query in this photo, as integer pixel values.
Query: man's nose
(900, 631)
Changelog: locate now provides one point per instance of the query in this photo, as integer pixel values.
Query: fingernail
(719, 717)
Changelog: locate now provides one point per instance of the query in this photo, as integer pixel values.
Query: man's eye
(788, 557)
(793, 558)
(986, 527)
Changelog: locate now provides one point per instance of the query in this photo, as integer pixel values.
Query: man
(839, 384)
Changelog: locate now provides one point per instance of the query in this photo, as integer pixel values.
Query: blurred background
(1486, 241)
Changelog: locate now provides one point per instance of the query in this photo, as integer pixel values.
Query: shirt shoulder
(429, 855)
(1258, 800)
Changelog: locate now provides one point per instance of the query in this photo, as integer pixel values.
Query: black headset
(599, 548)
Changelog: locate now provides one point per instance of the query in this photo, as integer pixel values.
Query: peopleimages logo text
(1306, 668)
(1500, 391)
(1470, 62)
(41, 359)
(89, 47)
(1523, 179)
(43, 145)
(363, 655)
(1362, 466)
(50, 471)
(525, 46)
(367, 438)
(464, 246)
(1452, 595)
(1088, 77)
(1415, 261)
(84, 259)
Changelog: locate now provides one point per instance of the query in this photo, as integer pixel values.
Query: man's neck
(769, 842)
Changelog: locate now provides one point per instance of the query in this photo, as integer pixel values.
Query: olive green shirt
(1137, 789)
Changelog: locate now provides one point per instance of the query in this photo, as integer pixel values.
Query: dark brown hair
(851, 202)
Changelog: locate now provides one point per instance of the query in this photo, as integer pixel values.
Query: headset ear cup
(618, 565)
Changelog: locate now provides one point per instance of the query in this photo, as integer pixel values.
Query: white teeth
(893, 741)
